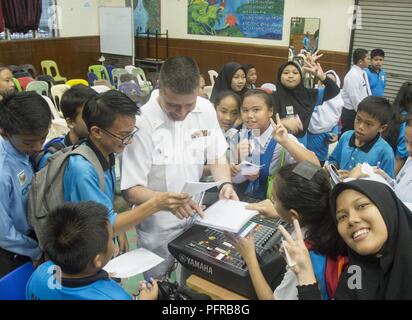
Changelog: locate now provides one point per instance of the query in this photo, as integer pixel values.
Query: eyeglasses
(124, 140)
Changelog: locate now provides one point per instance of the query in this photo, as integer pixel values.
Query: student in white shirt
(355, 88)
(179, 133)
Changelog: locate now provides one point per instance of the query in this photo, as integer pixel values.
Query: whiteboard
(116, 30)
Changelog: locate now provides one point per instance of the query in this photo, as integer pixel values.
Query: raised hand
(265, 208)
(280, 133)
(314, 68)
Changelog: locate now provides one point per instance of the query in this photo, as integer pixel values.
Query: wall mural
(146, 15)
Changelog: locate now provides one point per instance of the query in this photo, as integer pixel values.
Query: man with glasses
(179, 134)
(110, 118)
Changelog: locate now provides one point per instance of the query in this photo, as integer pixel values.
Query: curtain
(22, 15)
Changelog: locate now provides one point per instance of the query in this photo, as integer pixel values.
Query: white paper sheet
(249, 169)
(132, 263)
(194, 188)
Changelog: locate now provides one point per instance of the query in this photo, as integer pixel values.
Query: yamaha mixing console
(209, 254)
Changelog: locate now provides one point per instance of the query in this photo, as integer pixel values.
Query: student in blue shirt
(71, 105)
(365, 143)
(25, 119)
(376, 75)
(111, 121)
(79, 243)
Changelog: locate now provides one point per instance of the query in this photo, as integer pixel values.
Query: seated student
(232, 77)
(262, 143)
(306, 199)
(6, 82)
(251, 76)
(25, 119)
(78, 242)
(110, 118)
(365, 144)
(376, 75)
(71, 105)
(323, 126)
(376, 226)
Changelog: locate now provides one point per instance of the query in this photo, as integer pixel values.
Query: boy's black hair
(359, 54)
(75, 234)
(310, 199)
(378, 107)
(102, 109)
(266, 96)
(227, 93)
(377, 53)
(180, 74)
(24, 112)
(75, 98)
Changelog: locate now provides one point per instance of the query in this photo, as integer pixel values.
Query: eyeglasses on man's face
(125, 140)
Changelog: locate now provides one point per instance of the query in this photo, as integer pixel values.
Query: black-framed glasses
(124, 140)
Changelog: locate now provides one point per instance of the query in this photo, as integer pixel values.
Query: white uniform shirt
(355, 88)
(165, 154)
(403, 182)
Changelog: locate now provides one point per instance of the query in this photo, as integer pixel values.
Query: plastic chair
(14, 68)
(145, 85)
(74, 82)
(208, 90)
(57, 92)
(30, 69)
(48, 66)
(21, 74)
(17, 84)
(13, 285)
(100, 71)
(109, 69)
(132, 90)
(103, 83)
(55, 113)
(24, 81)
(100, 88)
(212, 76)
(129, 68)
(128, 77)
(41, 87)
(116, 73)
(91, 78)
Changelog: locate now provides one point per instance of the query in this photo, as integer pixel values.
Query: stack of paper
(132, 263)
(227, 215)
(249, 169)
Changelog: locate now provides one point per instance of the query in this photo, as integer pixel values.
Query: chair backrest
(41, 87)
(208, 90)
(50, 68)
(269, 86)
(212, 76)
(91, 78)
(24, 81)
(58, 128)
(57, 92)
(129, 68)
(100, 88)
(100, 71)
(103, 83)
(13, 285)
(30, 69)
(53, 109)
(74, 82)
(116, 73)
(109, 69)
(133, 91)
(17, 84)
(14, 68)
(21, 74)
(128, 77)
(141, 77)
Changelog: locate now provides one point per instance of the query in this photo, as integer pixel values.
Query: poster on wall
(146, 16)
(236, 18)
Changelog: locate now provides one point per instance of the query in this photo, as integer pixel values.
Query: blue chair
(13, 284)
(109, 69)
(91, 78)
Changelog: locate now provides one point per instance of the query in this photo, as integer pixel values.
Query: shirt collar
(67, 142)
(367, 146)
(13, 152)
(264, 137)
(82, 282)
(105, 165)
(373, 71)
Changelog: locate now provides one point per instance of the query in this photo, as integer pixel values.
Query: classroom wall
(334, 31)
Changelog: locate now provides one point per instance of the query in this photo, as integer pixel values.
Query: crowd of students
(180, 136)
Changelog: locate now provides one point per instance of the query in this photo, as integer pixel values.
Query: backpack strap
(85, 151)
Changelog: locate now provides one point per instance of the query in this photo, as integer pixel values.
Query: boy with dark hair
(72, 104)
(355, 88)
(25, 119)
(79, 243)
(376, 75)
(110, 118)
(365, 143)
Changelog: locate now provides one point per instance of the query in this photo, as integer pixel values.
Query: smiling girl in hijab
(377, 227)
(232, 77)
(293, 99)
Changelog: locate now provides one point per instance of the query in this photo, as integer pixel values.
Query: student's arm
(220, 170)
(388, 163)
(334, 158)
(298, 152)
(357, 92)
(331, 89)
(10, 238)
(399, 163)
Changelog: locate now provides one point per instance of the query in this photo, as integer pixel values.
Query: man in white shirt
(355, 88)
(179, 133)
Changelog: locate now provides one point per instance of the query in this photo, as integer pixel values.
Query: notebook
(227, 215)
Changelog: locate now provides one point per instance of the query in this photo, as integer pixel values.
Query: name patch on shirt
(200, 134)
(22, 177)
(290, 111)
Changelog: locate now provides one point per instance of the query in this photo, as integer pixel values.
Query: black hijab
(302, 99)
(388, 276)
(224, 80)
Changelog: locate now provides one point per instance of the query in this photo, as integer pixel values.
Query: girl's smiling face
(256, 114)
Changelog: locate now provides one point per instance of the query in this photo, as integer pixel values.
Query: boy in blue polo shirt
(376, 75)
(25, 119)
(365, 144)
(79, 243)
(71, 105)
